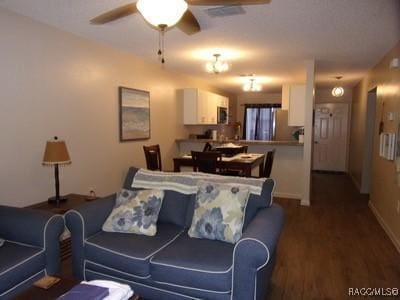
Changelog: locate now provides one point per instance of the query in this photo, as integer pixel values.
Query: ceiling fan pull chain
(162, 47)
(159, 45)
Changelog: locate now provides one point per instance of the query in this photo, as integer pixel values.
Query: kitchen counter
(242, 142)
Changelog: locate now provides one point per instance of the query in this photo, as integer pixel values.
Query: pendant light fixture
(252, 85)
(217, 66)
(162, 14)
(338, 91)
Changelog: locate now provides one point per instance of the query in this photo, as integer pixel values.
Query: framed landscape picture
(134, 114)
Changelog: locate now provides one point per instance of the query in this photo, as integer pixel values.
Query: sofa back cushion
(178, 208)
(174, 206)
(257, 202)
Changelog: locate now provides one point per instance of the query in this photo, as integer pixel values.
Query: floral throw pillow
(135, 212)
(219, 211)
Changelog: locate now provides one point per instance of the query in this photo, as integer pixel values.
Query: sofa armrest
(254, 252)
(15, 222)
(34, 227)
(84, 222)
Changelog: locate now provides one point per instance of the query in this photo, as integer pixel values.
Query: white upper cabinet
(296, 107)
(200, 107)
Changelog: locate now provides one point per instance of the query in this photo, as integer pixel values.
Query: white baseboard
(287, 195)
(385, 227)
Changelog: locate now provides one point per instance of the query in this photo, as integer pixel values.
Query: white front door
(330, 136)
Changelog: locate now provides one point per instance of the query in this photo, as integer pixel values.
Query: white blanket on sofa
(186, 182)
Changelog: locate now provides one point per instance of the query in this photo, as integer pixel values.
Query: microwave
(222, 115)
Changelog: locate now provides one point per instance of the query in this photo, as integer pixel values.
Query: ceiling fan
(163, 14)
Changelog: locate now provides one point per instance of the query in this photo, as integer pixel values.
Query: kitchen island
(288, 162)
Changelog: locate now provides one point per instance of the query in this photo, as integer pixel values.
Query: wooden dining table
(244, 162)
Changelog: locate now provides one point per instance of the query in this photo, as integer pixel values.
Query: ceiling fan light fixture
(162, 12)
(217, 66)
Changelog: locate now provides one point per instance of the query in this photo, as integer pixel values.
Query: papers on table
(241, 156)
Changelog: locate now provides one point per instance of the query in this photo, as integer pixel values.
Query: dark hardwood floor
(333, 245)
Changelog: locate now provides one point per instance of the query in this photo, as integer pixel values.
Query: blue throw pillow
(174, 207)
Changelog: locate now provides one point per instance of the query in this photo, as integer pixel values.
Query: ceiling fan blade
(115, 14)
(188, 24)
(227, 2)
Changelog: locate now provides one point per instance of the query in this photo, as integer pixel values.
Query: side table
(74, 201)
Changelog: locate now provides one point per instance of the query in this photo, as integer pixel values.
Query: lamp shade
(162, 12)
(56, 152)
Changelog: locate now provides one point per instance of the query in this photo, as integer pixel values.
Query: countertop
(242, 142)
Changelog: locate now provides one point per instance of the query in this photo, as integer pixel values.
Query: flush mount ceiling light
(338, 91)
(217, 66)
(252, 85)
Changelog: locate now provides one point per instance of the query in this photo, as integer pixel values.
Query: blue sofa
(171, 265)
(30, 250)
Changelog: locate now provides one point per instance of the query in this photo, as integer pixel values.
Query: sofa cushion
(219, 211)
(174, 207)
(18, 263)
(129, 253)
(257, 202)
(135, 212)
(194, 263)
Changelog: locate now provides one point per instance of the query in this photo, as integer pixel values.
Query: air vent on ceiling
(224, 11)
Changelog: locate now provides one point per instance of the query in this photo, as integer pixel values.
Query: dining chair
(269, 161)
(207, 147)
(206, 161)
(153, 157)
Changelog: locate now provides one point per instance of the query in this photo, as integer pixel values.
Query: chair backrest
(206, 161)
(153, 157)
(269, 161)
(207, 147)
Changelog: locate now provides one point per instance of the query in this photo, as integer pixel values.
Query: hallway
(333, 245)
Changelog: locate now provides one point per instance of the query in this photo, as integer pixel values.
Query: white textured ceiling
(345, 37)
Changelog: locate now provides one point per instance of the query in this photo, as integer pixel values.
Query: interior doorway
(331, 137)
(369, 142)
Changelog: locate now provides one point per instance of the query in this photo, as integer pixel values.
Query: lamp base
(54, 200)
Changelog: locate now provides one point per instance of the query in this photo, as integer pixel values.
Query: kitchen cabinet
(200, 107)
(296, 105)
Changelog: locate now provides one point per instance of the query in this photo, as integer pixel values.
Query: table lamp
(56, 154)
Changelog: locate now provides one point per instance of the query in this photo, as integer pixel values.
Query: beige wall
(385, 193)
(283, 131)
(55, 83)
